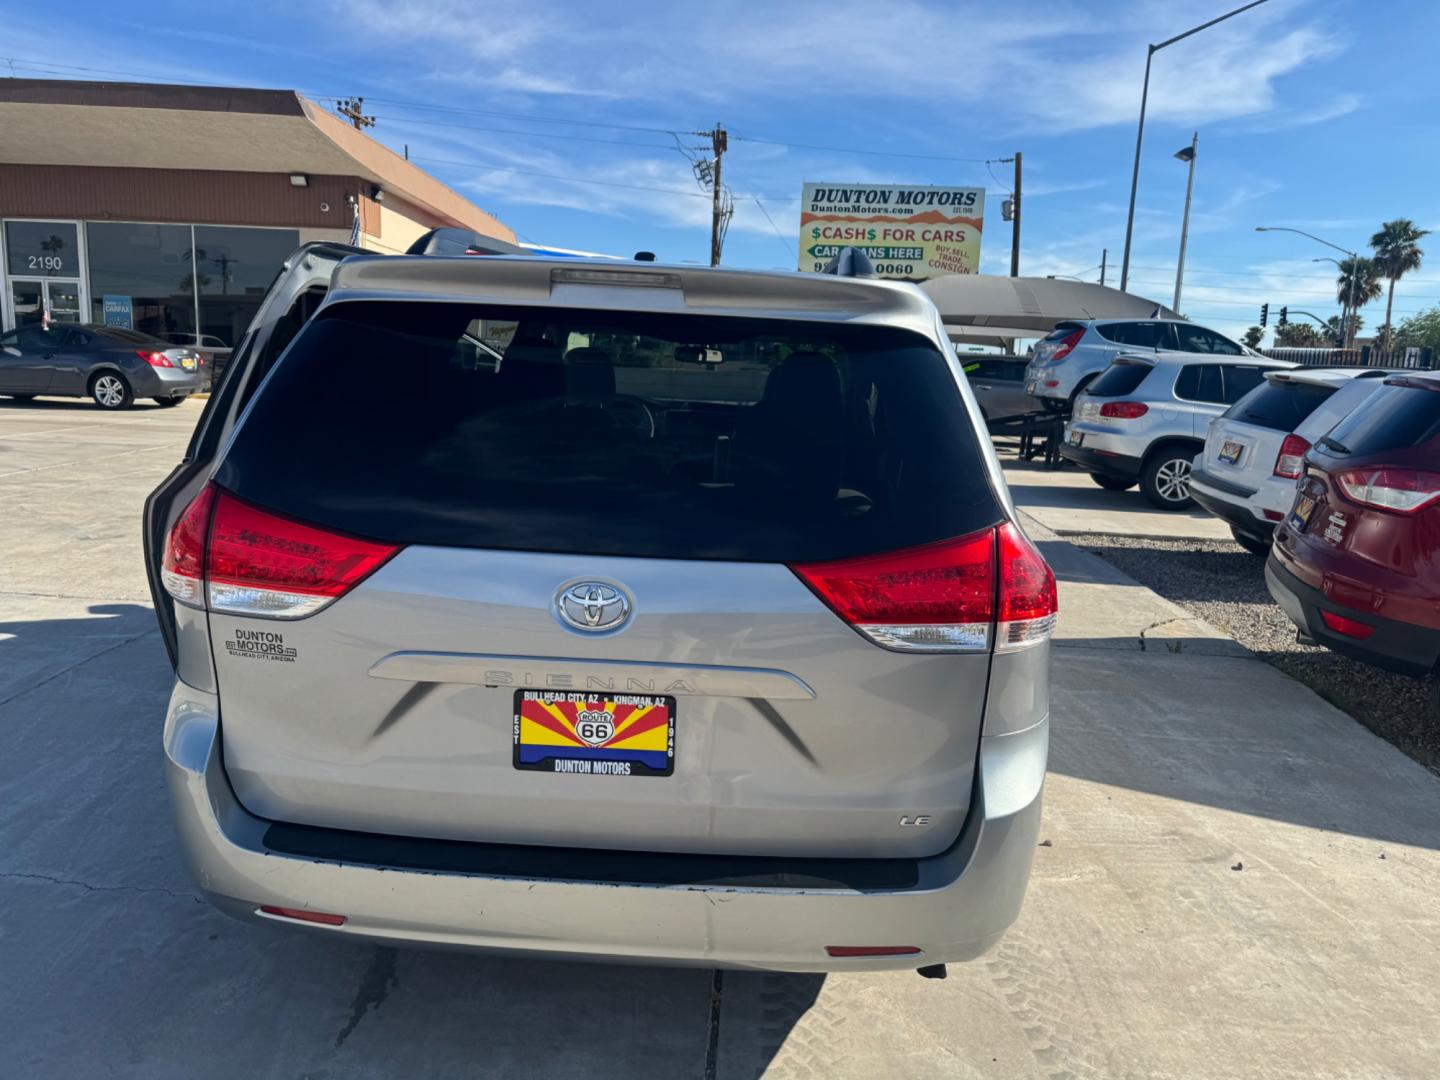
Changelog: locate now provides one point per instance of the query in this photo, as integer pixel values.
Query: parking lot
(1235, 879)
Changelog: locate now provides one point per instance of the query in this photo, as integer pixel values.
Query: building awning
(983, 307)
(149, 126)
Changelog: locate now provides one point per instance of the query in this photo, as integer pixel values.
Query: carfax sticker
(260, 645)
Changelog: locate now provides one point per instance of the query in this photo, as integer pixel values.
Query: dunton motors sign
(910, 233)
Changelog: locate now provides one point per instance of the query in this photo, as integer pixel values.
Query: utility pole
(719, 143)
(1015, 224)
(1104, 254)
(353, 110)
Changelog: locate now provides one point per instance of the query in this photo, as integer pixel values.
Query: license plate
(594, 735)
(1301, 511)
(1076, 438)
(1231, 451)
(187, 363)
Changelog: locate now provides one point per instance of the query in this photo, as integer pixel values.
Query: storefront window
(141, 277)
(42, 249)
(234, 269)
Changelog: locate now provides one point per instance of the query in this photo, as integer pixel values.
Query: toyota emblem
(592, 606)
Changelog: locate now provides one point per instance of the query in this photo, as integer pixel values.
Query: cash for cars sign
(910, 233)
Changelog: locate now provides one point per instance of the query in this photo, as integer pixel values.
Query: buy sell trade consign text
(909, 232)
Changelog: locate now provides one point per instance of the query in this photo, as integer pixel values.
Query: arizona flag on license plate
(608, 735)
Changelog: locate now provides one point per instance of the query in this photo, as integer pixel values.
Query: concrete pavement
(1236, 881)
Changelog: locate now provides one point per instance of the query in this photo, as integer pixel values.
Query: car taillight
(1291, 461)
(1124, 410)
(252, 562)
(1067, 345)
(1404, 491)
(182, 568)
(154, 359)
(943, 597)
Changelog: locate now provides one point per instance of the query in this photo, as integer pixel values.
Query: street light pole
(1151, 50)
(1187, 154)
(1354, 265)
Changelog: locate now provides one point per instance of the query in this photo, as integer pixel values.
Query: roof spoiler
(461, 242)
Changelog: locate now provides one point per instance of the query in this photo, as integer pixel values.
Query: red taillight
(1124, 410)
(1273, 515)
(943, 597)
(1050, 384)
(258, 563)
(1291, 461)
(1029, 604)
(1067, 345)
(1404, 491)
(182, 568)
(873, 950)
(301, 915)
(1352, 628)
(154, 359)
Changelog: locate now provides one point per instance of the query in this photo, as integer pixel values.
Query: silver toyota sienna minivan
(611, 611)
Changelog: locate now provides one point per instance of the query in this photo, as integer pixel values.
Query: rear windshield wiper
(1338, 447)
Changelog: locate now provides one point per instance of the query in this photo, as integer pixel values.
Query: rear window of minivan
(1280, 405)
(614, 433)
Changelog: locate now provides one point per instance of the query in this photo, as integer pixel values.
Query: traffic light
(1284, 316)
(1264, 314)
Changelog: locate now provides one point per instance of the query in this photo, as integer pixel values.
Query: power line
(790, 246)
(557, 176)
(532, 117)
(856, 150)
(513, 131)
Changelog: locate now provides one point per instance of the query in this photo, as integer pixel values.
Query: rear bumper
(1231, 504)
(959, 904)
(1105, 462)
(168, 382)
(1395, 646)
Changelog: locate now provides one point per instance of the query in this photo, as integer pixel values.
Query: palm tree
(1396, 254)
(1359, 281)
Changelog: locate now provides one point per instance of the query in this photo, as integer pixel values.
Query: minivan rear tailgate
(393, 711)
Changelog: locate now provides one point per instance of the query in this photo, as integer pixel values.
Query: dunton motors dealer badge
(260, 645)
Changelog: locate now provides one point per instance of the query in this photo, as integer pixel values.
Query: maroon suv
(1356, 563)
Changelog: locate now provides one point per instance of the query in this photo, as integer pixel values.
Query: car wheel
(111, 391)
(1250, 543)
(170, 402)
(1165, 479)
(1112, 483)
(19, 397)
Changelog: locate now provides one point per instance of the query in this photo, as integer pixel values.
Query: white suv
(1255, 452)
(1144, 420)
(1075, 353)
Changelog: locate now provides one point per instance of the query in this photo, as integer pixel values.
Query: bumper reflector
(1352, 628)
(300, 915)
(872, 950)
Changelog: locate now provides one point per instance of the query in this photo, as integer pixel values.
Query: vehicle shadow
(116, 966)
(66, 405)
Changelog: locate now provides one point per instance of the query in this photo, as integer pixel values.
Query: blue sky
(1317, 114)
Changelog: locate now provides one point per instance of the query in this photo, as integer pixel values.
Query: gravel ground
(1225, 586)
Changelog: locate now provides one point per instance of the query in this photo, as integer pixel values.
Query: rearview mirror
(698, 354)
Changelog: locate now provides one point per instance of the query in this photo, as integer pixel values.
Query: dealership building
(169, 209)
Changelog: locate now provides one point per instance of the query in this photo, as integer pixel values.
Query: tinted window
(1201, 382)
(1119, 379)
(1063, 330)
(30, 339)
(1140, 335)
(1392, 418)
(1239, 380)
(1279, 406)
(1198, 339)
(132, 337)
(77, 339)
(611, 432)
